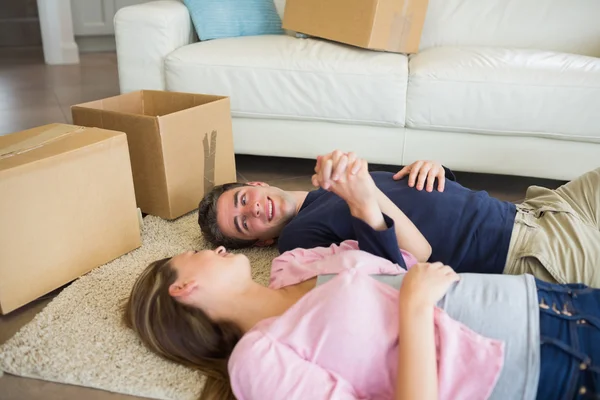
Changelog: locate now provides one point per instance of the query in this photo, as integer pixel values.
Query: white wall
(93, 23)
(95, 17)
(57, 32)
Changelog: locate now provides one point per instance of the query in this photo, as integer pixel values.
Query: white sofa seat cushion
(284, 77)
(505, 91)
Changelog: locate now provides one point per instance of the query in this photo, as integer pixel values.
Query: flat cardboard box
(67, 206)
(386, 25)
(180, 144)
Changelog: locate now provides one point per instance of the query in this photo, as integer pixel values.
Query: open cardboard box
(180, 144)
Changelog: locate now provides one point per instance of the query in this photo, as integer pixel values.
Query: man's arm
(355, 185)
(407, 234)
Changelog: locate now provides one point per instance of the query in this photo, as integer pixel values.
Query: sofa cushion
(505, 91)
(280, 76)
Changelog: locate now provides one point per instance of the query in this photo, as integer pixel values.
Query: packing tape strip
(400, 30)
(41, 139)
(210, 152)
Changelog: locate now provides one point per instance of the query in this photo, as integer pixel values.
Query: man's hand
(349, 178)
(423, 174)
(338, 167)
(345, 175)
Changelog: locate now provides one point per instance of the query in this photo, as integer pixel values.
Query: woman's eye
(244, 200)
(245, 223)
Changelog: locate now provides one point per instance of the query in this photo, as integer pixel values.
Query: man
(554, 234)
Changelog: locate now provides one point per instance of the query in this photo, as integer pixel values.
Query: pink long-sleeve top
(340, 340)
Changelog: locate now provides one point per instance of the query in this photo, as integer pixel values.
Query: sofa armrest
(145, 34)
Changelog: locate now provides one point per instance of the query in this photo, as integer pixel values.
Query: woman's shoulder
(245, 351)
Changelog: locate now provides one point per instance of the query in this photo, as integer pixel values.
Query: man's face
(256, 212)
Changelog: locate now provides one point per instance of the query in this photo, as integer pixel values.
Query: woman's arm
(407, 234)
(349, 178)
(422, 287)
(370, 206)
(417, 366)
(375, 232)
(367, 209)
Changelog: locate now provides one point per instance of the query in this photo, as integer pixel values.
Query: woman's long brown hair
(180, 333)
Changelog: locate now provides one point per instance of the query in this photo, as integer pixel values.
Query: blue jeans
(570, 341)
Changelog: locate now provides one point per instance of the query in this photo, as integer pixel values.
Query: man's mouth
(270, 209)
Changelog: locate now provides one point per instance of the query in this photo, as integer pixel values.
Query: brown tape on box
(44, 137)
(210, 153)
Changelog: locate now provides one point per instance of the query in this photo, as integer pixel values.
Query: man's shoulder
(300, 232)
(314, 228)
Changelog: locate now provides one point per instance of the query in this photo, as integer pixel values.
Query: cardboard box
(387, 25)
(67, 206)
(180, 145)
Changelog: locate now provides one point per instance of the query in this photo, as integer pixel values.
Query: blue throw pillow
(215, 19)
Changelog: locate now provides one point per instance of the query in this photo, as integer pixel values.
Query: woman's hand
(345, 175)
(425, 284)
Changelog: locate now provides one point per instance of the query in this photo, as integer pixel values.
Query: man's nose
(253, 210)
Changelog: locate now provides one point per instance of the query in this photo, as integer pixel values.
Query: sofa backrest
(569, 26)
(280, 5)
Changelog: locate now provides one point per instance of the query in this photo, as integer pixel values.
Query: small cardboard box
(180, 145)
(387, 25)
(67, 205)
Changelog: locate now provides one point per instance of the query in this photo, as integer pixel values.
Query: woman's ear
(182, 290)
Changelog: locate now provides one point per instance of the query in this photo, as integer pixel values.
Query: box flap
(46, 141)
(34, 138)
(128, 103)
(160, 103)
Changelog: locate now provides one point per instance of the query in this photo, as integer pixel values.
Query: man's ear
(262, 184)
(178, 289)
(264, 243)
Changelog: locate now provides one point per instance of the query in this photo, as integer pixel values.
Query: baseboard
(92, 44)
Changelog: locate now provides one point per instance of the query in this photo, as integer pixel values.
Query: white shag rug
(78, 338)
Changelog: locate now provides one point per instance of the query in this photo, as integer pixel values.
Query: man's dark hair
(207, 219)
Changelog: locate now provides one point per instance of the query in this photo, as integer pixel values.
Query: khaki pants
(556, 236)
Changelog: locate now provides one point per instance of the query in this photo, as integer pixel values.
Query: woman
(356, 336)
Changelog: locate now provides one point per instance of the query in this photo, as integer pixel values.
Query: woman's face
(209, 276)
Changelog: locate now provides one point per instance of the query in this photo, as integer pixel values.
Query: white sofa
(499, 86)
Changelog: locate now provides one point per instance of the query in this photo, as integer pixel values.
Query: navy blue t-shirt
(468, 230)
(379, 243)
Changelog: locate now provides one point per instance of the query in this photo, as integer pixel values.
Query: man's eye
(245, 223)
(244, 200)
